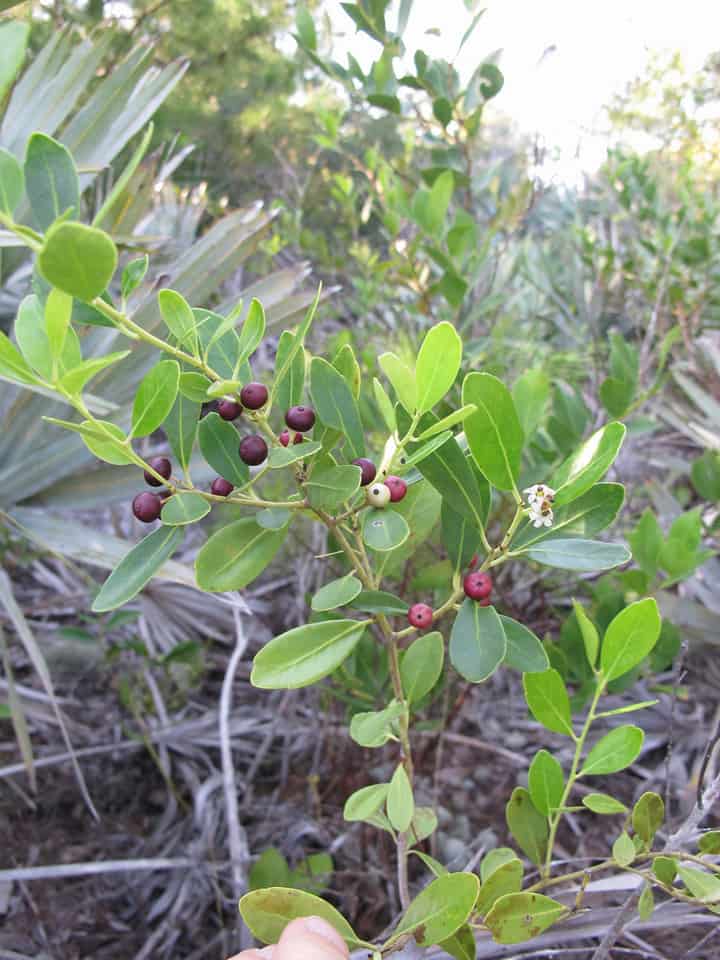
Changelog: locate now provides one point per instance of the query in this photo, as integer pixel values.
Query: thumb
(310, 938)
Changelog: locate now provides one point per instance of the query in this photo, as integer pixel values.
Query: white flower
(538, 493)
(541, 515)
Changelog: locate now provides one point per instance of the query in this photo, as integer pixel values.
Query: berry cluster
(380, 494)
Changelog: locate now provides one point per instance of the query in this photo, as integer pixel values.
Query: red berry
(397, 488)
(300, 418)
(420, 615)
(147, 507)
(477, 586)
(254, 395)
(474, 562)
(229, 409)
(253, 450)
(367, 470)
(284, 437)
(221, 487)
(160, 465)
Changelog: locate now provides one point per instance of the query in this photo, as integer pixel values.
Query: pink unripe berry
(397, 488)
(420, 615)
(477, 586)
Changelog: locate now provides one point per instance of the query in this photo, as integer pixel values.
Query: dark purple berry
(397, 488)
(253, 450)
(254, 395)
(367, 470)
(420, 615)
(147, 507)
(160, 465)
(300, 418)
(221, 487)
(229, 409)
(478, 586)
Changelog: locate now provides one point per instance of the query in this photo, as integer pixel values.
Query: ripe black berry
(221, 487)
(367, 470)
(147, 507)
(397, 488)
(229, 409)
(254, 395)
(253, 450)
(160, 465)
(478, 586)
(420, 615)
(300, 418)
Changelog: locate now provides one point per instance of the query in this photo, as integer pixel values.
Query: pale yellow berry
(378, 495)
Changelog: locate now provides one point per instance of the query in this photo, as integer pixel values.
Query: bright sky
(597, 49)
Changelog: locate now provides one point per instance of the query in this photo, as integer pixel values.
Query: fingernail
(266, 952)
(323, 929)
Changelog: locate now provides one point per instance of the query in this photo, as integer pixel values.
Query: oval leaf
(588, 464)
(525, 651)
(184, 508)
(51, 180)
(400, 803)
(604, 804)
(493, 432)
(137, 568)
(267, 912)
(236, 554)
(421, 665)
(582, 555)
(384, 529)
(477, 642)
(365, 802)
(77, 259)
(545, 782)
(630, 637)
(337, 593)
(528, 827)
(441, 909)
(548, 700)
(335, 404)
(522, 916)
(219, 443)
(616, 751)
(155, 397)
(437, 364)
(305, 654)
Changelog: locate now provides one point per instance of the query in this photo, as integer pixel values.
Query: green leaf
(505, 879)
(133, 275)
(384, 403)
(588, 464)
(646, 903)
(155, 397)
(335, 404)
(584, 517)
(281, 368)
(422, 665)
(183, 508)
(13, 42)
(51, 181)
(58, 310)
(648, 816)
(646, 542)
(530, 394)
(219, 443)
(623, 850)
(377, 601)
(477, 642)
(548, 700)
(425, 449)
(424, 824)
(522, 916)
(31, 336)
(282, 457)
(460, 537)
(194, 386)
(438, 361)
(12, 364)
(289, 388)
(461, 945)
(525, 651)
(252, 331)
(400, 803)
(305, 28)
(376, 727)
(614, 752)
(439, 910)
(337, 593)
(270, 869)
(402, 379)
(528, 827)
(77, 259)
(12, 181)
(221, 388)
(306, 654)
(433, 865)
(603, 803)
(329, 487)
(75, 380)
(493, 860)
(493, 432)
(710, 842)
(704, 472)
(449, 421)
(665, 869)
(104, 448)
(704, 886)
(179, 318)
(272, 518)
(236, 554)
(582, 555)
(365, 802)
(137, 568)
(629, 638)
(267, 912)
(591, 640)
(181, 426)
(545, 782)
(384, 530)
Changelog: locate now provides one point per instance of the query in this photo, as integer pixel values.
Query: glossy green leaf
(581, 555)
(305, 654)
(665, 869)
(337, 593)
(12, 182)
(183, 508)
(425, 449)
(345, 362)
(13, 42)
(375, 727)
(528, 827)
(588, 464)
(629, 638)
(335, 405)
(272, 518)
(133, 275)
(75, 380)
(591, 639)
(493, 860)
(422, 665)
(449, 421)
(137, 568)
(525, 651)
(289, 388)
(384, 530)
(461, 945)
(646, 903)
(522, 916)
(281, 368)
(155, 397)
(477, 642)
(384, 403)
(58, 310)
(646, 542)
(78, 259)
(710, 842)
(194, 386)
(548, 700)
(506, 878)
(12, 363)
(648, 815)
(219, 443)
(104, 448)
(545, 782)
(603, 803)
(433, 865)
(51, 181)
(400, 803)
(236, 554)
(531, 393)
(460, 537)
(437, 365)
(424, 824)
(267, 912)
(181, 426)
(704, 886)
(493, 432)
(179, 318)
(378, 601)
(402, 379)
(623, 850)
(365, 802)
(31, 336)
(614, 752)
(252, 331)
(439, 910)
(329, 487)
(281, 457)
